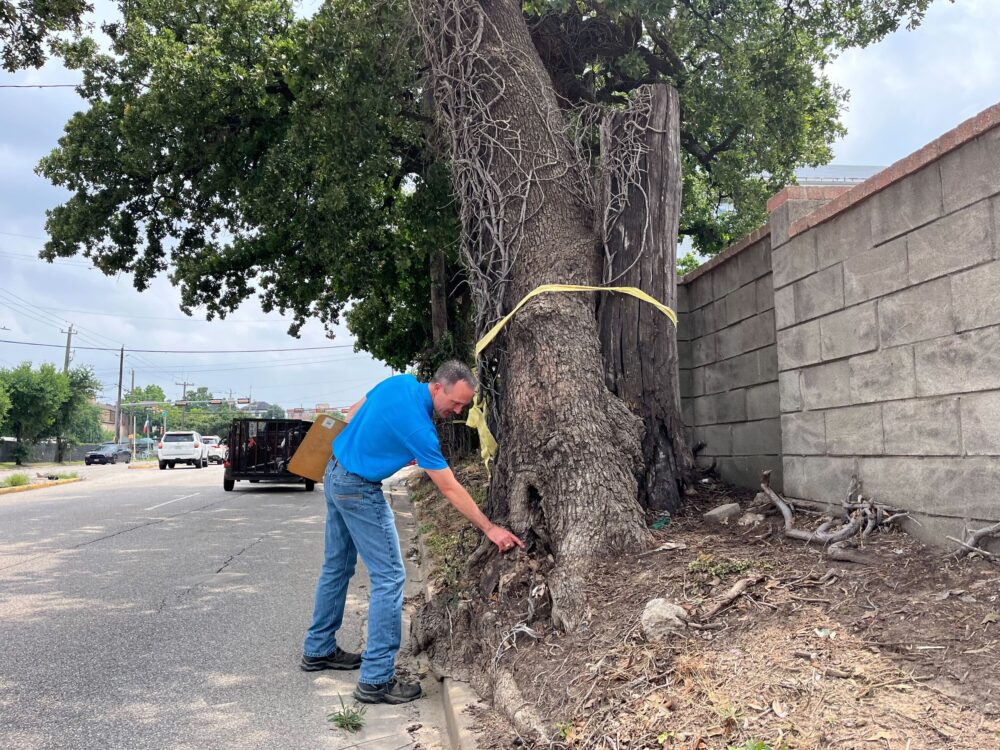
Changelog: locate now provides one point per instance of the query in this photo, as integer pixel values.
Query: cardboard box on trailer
(314, 453)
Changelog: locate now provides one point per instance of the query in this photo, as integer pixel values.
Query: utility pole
(118, 404)
(131, 397)
(69, 341)
(185, 385)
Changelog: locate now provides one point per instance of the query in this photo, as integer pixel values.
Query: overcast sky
(906, 91)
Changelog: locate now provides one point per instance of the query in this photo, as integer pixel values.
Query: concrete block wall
(728, 361)
(887, 315)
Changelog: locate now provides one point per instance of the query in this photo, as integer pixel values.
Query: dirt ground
(902, 653)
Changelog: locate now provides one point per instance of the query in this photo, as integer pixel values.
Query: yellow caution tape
(477, 410)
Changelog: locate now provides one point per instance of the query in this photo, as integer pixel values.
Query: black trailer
(260, 449)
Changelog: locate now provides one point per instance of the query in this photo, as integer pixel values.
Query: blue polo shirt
(394, 426)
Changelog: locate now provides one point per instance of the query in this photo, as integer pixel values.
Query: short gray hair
(452, 371)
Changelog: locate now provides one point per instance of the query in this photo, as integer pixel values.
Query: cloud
(915, 85)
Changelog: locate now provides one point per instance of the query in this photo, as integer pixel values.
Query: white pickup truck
(216, 452)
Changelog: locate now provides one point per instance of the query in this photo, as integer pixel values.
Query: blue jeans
(359, 521)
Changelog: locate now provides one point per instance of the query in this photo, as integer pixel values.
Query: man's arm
(457, 495)
(353, 410)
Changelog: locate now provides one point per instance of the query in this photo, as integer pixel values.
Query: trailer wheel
(228, 484)
(254, 481)
(310, 485)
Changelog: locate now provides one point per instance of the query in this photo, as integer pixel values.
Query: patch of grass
(718, 568)
(16, 480)
(752, 745)
(348, 718)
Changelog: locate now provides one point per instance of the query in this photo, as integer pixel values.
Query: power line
(186, 351)
(39, 85)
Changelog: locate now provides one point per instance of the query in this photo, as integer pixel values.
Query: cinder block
(952, 243)
(799, 346)
(700, 291)
(790, 211)
(744, 471)
(916, 314)
(744, 370)
(729, 341)
(754, 261)
(879, 271)
(882, 375)
(844, 236)
(731, 406)
(959, 487)
(683, 326)
(697, 381)
(784, 307)
(855, 431)
(765, 293)
(975, 296)
(727, 277)
(820, 478)
(794, 259)
(961, 363)
(702, 411)
(819, 294)
(683, 299)
(803, 433)
(754, 438)
(687, 411)
(741, 303)
(718, 439)
(850, 331)
(684, 354)
(907, 204)
(684, 382)
(767, 364)
(703, 350)
(981, 423)
(718, 377)
(762, 401)
(789, 394)
(826, 386)
(972, 171)
(928, 427)
(702, 321)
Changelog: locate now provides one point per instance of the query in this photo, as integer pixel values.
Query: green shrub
(16, 480)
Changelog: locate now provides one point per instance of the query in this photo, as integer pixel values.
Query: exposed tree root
(859, 516)
(970, 545)
(734, 593)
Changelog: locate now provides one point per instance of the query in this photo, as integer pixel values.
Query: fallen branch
(734, 593)
(972, 539)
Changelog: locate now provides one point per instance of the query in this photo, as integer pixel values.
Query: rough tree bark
(641, 168)
(439, 296)
(565, 476)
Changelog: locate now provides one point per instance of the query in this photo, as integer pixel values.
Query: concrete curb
(38, 485)
(456, 695)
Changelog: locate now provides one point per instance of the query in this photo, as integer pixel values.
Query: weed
(65, 475)
(707, 564)
(348, 718)
(16, 480)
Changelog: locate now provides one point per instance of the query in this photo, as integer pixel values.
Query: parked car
(108, 453)
(182, 447)
(216, 449)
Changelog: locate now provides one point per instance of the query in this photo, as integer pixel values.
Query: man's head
(452, 388)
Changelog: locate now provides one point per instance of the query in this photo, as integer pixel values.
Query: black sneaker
(392, 691)
(339, 659)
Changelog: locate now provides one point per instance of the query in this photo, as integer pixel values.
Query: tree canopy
(250, 152)
(26, 25)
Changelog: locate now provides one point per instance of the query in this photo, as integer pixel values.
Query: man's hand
(456, 494)
(503, 539)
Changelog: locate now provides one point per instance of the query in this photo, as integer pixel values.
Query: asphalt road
(150, 609)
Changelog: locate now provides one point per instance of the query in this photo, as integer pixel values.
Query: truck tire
(228, 484)
(163, 465)
(310, 485)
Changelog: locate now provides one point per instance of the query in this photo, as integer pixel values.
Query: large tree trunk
(439, 296)
(641, 201)
(565, 476)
